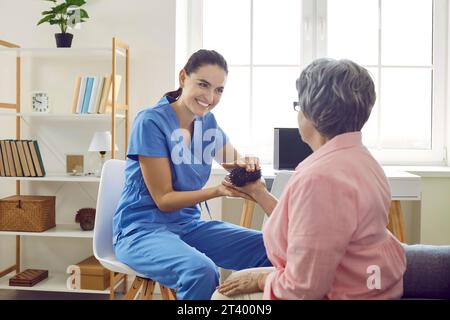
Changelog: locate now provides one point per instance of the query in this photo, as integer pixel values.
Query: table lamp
(101, 142)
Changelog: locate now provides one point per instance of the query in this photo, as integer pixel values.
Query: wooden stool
(247, 213)
(396, 223)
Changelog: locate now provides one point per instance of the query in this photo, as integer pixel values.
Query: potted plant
(65, 14)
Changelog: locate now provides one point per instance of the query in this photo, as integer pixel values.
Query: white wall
(435, 211)
(147, 26)
(149, 29)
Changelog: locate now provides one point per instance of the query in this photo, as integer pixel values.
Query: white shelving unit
(56, 282)
(62, 116)
(118, 114)
(54, 177)
(61, 230)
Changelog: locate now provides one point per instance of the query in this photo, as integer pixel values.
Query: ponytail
(174, 94)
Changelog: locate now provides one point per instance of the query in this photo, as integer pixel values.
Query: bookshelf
(62, 116)
(74, 130)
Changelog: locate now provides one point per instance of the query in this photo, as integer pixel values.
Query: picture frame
(75, 164)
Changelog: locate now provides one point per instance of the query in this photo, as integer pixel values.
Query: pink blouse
(327, 236)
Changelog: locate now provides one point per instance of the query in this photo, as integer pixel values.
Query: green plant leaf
(58, 21)
(46, 12)
(61, 8)
(83, 14)
(46, 19)
(77, 3)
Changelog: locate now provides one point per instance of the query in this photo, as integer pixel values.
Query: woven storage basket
(27, 213)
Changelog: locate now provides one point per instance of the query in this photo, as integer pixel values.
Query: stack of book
(20, 158)
(28, 278)
(93, 94)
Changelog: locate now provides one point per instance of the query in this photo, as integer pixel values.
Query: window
(266, 44)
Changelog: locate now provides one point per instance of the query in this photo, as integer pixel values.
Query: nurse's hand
(225, 191)
(253, 189)
(250, 163)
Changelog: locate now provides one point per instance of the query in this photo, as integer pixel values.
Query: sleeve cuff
(268, 295)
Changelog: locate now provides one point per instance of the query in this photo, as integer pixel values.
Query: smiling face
(202, 89)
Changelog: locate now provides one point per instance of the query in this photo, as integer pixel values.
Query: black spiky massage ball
(240, 177)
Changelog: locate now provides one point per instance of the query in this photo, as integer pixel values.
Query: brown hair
(198, 59)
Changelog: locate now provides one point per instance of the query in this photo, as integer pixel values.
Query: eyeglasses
(296, 106)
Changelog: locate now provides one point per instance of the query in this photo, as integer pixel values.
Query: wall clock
(39, 101)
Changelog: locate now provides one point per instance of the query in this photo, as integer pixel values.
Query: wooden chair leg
(112, 285)
(247, 213)
(396, 222)
(172, 294)
(114, 278)
(147, 289)
(137, 283)
(125, 283)
(167, 293)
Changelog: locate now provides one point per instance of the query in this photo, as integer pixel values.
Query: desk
(404, 186)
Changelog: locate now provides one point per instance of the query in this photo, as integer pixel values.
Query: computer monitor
(289, 149)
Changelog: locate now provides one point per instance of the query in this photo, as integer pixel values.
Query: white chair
(280, 182)
(109, 192)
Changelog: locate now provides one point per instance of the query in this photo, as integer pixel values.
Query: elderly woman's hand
(246, 283)
(226, 191)
(252, 188)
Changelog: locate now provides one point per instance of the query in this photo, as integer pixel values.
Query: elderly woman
(326, 237)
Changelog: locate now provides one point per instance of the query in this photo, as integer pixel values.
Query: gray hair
(337, 96)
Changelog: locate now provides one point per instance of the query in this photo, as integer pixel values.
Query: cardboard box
(93, 275)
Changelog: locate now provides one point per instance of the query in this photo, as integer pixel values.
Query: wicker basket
(27, 213)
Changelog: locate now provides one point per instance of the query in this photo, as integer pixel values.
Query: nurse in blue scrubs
(157, 227)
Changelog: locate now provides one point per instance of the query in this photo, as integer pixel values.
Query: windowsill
(425, 171)
(422, 171)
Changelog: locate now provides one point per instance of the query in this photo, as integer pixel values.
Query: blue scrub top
(156, 133)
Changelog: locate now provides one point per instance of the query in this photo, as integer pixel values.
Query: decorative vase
(86, 218)
(63, 40)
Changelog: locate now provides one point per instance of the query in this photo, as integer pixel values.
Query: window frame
(313, 45)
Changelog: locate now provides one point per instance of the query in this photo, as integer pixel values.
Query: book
(76, 93)
(93, 95)
(5, 158)
(87, 94)
(26, 148)
(81, 94)
(106, 101)
(37, 159)
(15, 153)
(23, 159)
(98, 96)
(2, 168)
(105, 92)
(118, 81)
(9, 155)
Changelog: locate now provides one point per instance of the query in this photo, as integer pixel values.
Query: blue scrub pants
(186, 257)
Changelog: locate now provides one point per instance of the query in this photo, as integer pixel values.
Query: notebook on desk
(289, 149)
